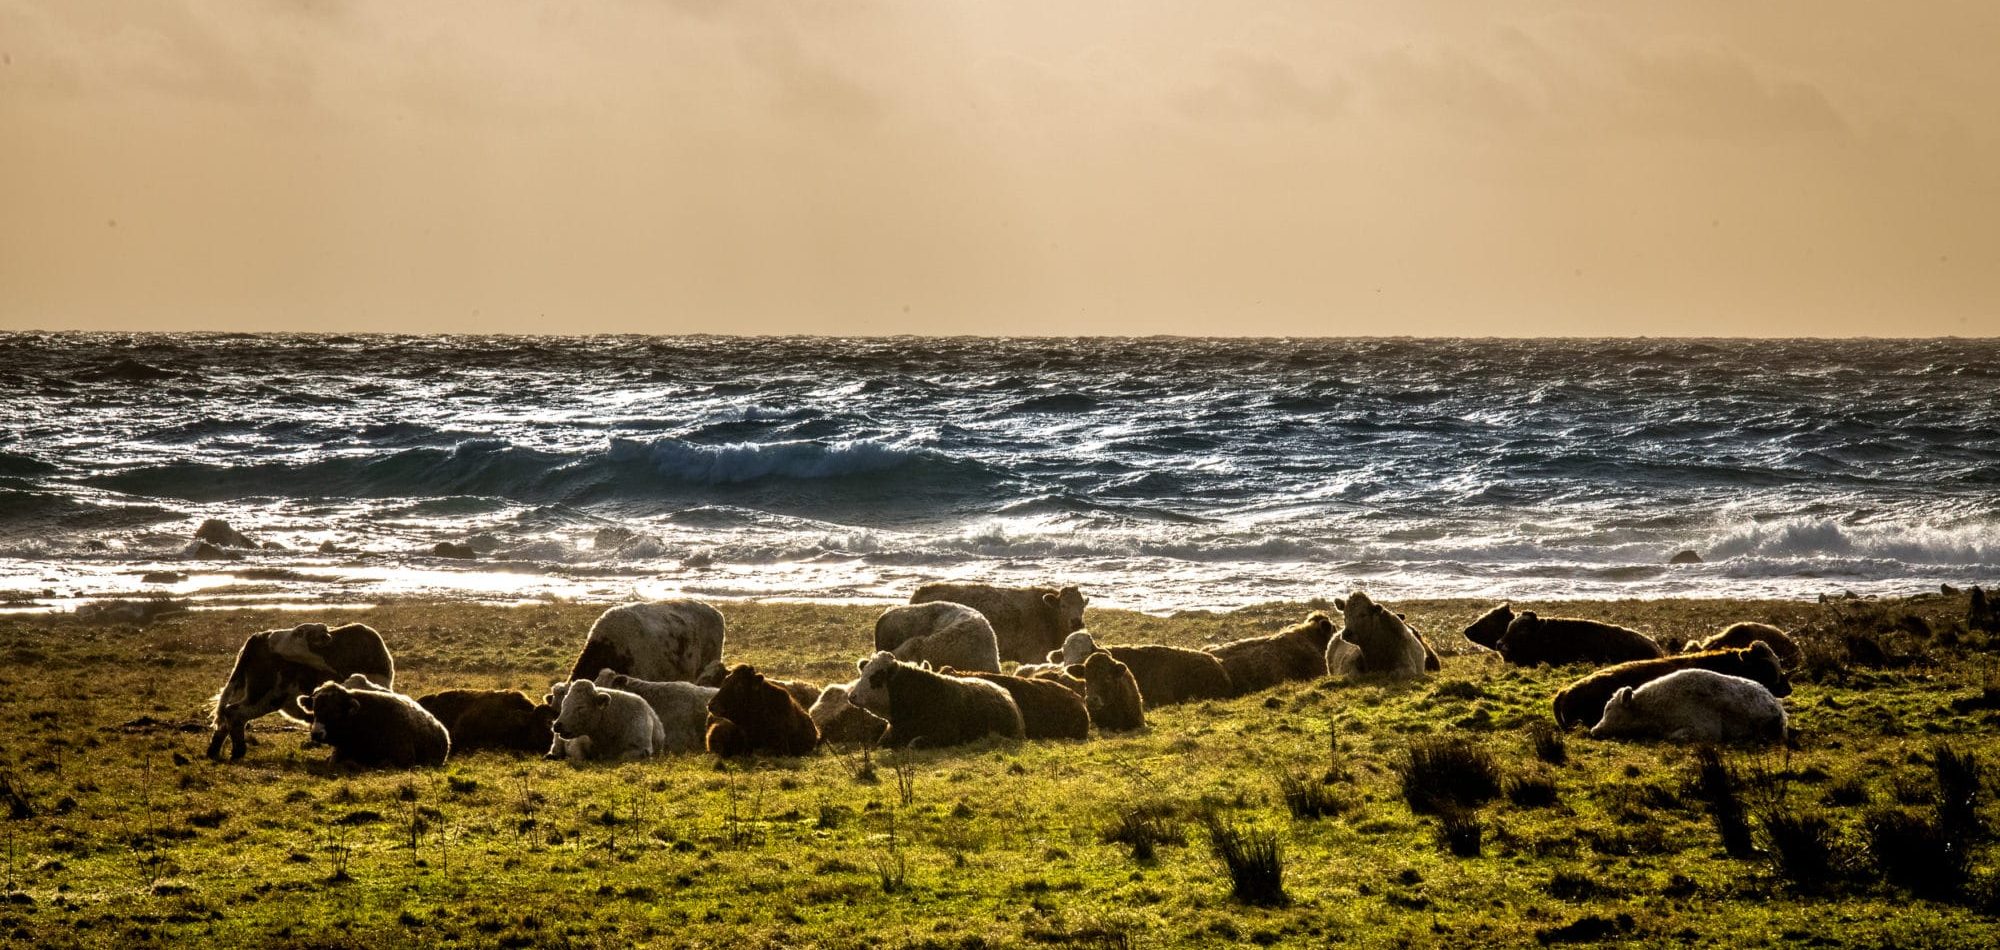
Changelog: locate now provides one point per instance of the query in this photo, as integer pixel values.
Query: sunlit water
(1160, 474)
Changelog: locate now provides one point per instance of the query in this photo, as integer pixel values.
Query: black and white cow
(276, 667)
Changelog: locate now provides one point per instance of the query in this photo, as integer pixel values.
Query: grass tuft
(1445, 773)
(1721, 792)
(1255, 861)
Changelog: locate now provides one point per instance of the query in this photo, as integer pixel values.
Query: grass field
(123, 835)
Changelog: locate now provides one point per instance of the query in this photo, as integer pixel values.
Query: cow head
(612, 679)
(1487, 629)
(871, 689)
(582, 703)
(1761, 663)
(1078, 645)
(1068, 605)
(328, 708)
(741, 691)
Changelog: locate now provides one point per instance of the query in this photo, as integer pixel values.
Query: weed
(1144, 827)
(892, 871)
(1308, 797)
(1254, 859)
(1548, 743)
(1442, 773)
(906, 777)
(1958, 792)
(1846, 793)
(1917, 853)
(1720, 789)
(1533, 791)
(1460, 831)
(1802, 846)
(338, 854)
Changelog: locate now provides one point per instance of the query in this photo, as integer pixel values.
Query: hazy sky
(938, 166)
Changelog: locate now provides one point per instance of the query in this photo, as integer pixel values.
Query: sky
(1251, 167)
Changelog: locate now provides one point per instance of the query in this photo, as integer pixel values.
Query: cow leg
(215, 744)
(237, 744)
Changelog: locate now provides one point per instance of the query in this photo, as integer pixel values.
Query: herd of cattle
(650, 680)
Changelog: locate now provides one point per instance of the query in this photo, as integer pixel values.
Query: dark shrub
(1532, 791)
(1720, 790)
(1916, 853)
(1144, 827)
(1460, 831)
(1445, 773)
(1308, 797)
(1549, 745)
(1802, 846)
(1254, 859)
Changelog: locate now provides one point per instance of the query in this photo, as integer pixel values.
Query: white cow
(940, 633)
(1694, 706)
(682, 707)
(603, 724)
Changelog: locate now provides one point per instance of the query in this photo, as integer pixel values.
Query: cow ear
(1074, 669)
(1762, 649)
(304, 704)
(1623, 695)
(861, 665)
(1340, 604)
(1051, 599)
(601, 699)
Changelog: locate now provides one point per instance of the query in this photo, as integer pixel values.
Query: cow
(1531, 640)
(662, 642)
(682, 707)
(1166, 675)
(1027, 622)
(275, 667)
(929, 709)
(1694, 706)
(1740, 635)
(750, 715)
(1049, 710)
(940, 633)
(368, 724)
(841, 721)
(806, 693)
(1112, 694)
(501, 719)
(1490, 627)
(1376, 641)
(1582, 702)
(1297, 652)
(595, 724)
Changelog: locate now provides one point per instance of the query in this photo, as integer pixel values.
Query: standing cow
(276, 667)
(1027, 622)
(668, 641)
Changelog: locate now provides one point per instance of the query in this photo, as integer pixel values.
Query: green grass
(135, 838)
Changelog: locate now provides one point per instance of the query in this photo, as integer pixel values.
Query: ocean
(1159, 474)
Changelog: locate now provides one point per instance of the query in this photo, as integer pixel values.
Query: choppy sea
(1159, 473)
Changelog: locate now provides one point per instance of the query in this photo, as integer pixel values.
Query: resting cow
(603, 724)
(1377, 641)
(940, 633)
(751, 715)
(1531, 640)
(1297, 652)
(1582, 702)
(662, 642)
(929, 709)
(369, 725)
(1027, 622)
(682, 707)
(491, 719)
(1740, 635)
(1166, 675)
(1694, 706)
(1049, 710)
